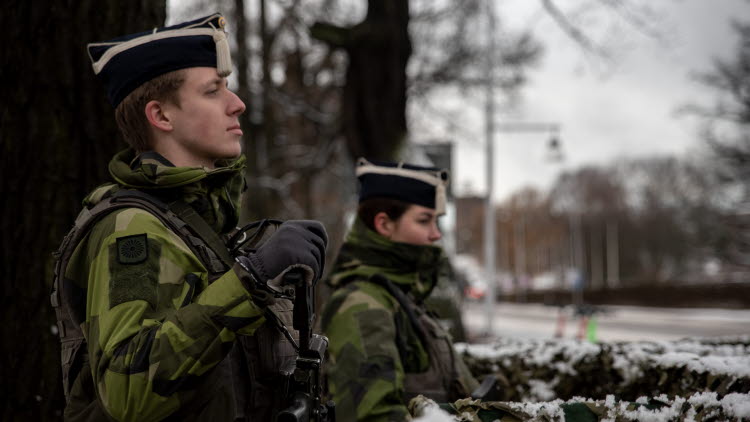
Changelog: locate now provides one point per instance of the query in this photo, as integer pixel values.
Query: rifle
(303, 381)
(304, 375)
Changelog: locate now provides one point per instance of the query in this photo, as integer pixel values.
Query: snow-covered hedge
(692, 380)
(545, 370)
(699, 407)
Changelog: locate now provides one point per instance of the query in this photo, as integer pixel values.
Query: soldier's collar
(149, 155)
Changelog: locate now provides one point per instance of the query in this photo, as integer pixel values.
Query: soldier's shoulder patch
(132, 249)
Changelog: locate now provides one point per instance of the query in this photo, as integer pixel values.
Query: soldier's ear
(383, 224)
(157, 114)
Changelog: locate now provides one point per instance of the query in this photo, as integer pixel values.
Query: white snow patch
(703, 399)
(434, 414)
(736, 405)
(551, 409)
(656, 415)
(542, 391)
(738, 366)
(610, 401)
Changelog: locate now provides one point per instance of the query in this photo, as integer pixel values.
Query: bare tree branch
(574, 31)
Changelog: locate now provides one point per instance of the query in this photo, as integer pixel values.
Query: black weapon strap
(404, 301)
(279, 324)
(203, 230)
(218, 262)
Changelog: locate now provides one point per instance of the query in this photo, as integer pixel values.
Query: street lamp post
(489, 215)
(490, 129)
(489, 210)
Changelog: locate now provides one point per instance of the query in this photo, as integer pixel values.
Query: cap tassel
(440, 199)
(223, 57)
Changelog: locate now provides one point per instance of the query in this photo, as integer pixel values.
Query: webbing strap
(187, 214)
(405, 303)
(203, 230)
(411, 312)
(134, 193)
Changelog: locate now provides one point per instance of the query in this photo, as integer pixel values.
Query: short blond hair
(130, 113)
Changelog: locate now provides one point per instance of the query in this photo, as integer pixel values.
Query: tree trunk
(374, 100)
(57, 135)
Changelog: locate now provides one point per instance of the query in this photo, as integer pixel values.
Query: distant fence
(724, 295)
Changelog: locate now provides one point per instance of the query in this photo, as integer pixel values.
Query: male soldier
(158, 321)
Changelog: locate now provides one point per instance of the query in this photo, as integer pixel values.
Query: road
(619, 323)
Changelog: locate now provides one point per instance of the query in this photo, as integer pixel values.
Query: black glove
(295, 244)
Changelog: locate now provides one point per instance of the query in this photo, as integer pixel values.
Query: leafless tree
(727, 131)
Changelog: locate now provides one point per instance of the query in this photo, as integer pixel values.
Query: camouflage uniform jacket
(160, 328)
(379, 355)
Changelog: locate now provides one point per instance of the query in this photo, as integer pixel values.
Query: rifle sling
(405, 303)
(203, 230)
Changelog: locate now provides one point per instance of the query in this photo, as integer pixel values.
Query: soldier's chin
(239, 149)
(232, 152)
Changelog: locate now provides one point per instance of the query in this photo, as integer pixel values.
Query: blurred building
(469, 225)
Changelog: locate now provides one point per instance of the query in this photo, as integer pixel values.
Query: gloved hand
(295, 244)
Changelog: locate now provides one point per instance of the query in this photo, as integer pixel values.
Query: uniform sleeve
(150, 334)
(365, 373)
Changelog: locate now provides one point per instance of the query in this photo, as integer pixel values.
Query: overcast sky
(606, 108)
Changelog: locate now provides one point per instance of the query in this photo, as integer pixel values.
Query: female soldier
(385, 348)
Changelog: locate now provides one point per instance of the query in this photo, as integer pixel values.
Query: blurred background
(599, 152)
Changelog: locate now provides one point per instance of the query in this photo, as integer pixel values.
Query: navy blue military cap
(125, 63)
(425, 186)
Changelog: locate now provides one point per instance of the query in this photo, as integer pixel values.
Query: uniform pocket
(71, 363)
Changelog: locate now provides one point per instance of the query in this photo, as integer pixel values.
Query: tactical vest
(442, 380)
(251, 370)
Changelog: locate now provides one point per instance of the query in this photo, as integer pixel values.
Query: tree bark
(374, 99)
(57, 135)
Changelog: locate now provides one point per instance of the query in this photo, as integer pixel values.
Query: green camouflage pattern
(372, 341)
(446, 300)
(216, 193)
(152, 337)
(698, 407)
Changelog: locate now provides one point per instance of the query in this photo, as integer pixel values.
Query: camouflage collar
(214, 193)
(415, 268)
(152, 171)
(151, 156)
